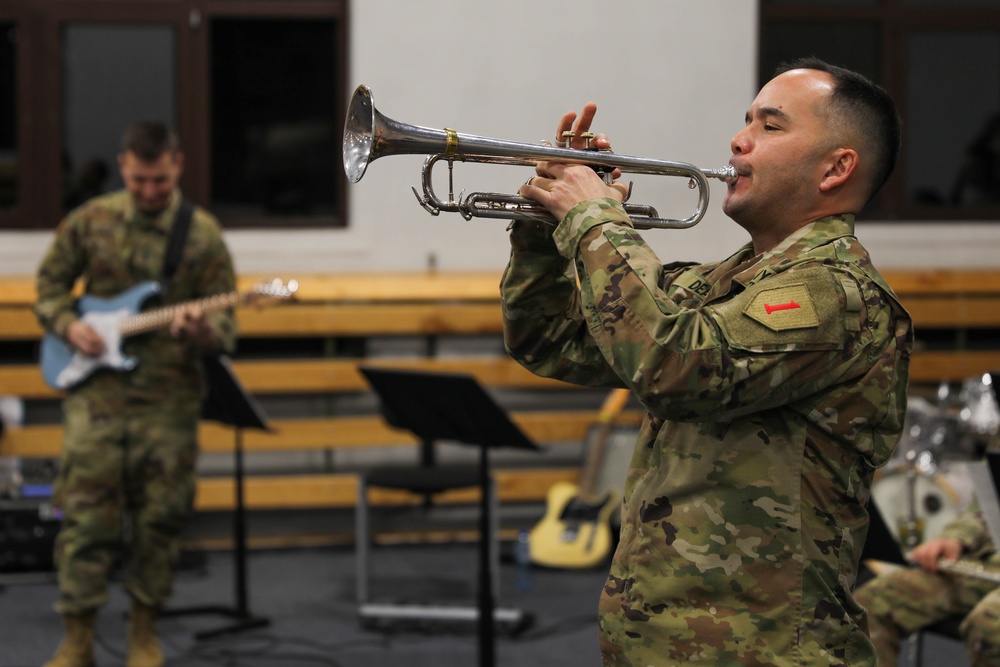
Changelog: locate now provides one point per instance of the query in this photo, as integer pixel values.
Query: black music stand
(228, 403)
(446, 406)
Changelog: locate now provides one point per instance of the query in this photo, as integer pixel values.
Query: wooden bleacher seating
(426, 306)
(952, 311)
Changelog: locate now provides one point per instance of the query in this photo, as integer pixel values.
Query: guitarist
(130, 444)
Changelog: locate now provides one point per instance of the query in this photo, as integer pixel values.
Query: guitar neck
(595, 457)
(158, 318)
(610, 410)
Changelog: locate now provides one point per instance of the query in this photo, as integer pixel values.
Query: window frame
(40, 25)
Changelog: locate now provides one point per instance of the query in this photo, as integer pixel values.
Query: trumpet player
(901, 602)
(774, 380)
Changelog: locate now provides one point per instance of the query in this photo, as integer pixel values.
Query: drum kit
(925, 484)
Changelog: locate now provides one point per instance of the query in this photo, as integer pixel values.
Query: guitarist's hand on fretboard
(190, 324)
(83, 338)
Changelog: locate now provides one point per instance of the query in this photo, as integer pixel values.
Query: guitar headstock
(275, 289)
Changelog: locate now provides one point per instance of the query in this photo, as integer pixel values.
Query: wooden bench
(959, 304)
(331, 308)
(952, 304)
(467, 303)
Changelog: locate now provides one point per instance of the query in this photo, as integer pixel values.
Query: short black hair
(149, 139)
(865, 105)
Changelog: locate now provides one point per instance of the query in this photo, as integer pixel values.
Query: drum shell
(938, 497)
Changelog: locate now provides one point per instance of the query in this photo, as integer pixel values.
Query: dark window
(276, 118)
(953, 126)
(8, 116)
(940, 59)
(113, 74)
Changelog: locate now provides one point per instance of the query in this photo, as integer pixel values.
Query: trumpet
(369, 135)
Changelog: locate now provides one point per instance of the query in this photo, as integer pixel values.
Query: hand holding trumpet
(559, 186)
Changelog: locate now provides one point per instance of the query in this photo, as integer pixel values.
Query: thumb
(623, 188)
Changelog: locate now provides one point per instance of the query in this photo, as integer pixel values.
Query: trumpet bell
(359, 134)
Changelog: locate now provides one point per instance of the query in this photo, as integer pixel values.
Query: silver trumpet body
(369, 135)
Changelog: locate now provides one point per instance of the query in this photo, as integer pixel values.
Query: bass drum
(937, 499)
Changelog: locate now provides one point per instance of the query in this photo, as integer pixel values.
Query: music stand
(228, 403)
(447, 406)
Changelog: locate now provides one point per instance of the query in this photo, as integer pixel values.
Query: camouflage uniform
(902, 601)
(130, 438)
(774, 384)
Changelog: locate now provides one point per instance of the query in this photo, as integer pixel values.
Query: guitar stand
(229, 404)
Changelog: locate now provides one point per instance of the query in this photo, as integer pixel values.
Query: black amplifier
(28, 528)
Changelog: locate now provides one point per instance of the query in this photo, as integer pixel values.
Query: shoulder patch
(802, 309)
(781, 308)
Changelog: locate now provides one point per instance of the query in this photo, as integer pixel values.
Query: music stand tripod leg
(229, 404)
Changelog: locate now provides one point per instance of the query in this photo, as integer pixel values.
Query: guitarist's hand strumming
(84, 339)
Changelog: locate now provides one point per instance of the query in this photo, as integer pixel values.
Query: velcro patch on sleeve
(783, 308)
(801, 309)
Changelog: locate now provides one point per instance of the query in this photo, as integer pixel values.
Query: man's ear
(839, 169)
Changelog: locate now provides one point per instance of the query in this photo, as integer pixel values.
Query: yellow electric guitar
(575, 531)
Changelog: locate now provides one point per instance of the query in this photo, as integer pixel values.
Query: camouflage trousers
(125, 487)
(901, 602)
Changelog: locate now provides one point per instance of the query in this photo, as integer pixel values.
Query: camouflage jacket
(774, 385)
(969, 528)
(112, 246)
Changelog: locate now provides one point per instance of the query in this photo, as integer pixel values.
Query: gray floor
(307, 594)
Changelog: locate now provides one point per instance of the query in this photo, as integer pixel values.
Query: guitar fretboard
(160, 317)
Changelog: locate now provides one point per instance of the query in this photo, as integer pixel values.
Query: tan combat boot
(77, 647)
(143, 647)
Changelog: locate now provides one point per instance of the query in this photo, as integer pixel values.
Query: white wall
(672, 80)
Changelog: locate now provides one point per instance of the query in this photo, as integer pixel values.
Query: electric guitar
(117, 318)
(575, 530)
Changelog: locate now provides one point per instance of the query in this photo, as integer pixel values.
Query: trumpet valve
(567, 138)
(587, 137)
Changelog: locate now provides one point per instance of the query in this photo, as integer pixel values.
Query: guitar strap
(175, 244)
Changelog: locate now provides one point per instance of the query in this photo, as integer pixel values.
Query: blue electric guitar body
(64, 367)
(116, 318)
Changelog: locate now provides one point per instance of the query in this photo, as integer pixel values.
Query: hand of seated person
(930, 552)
